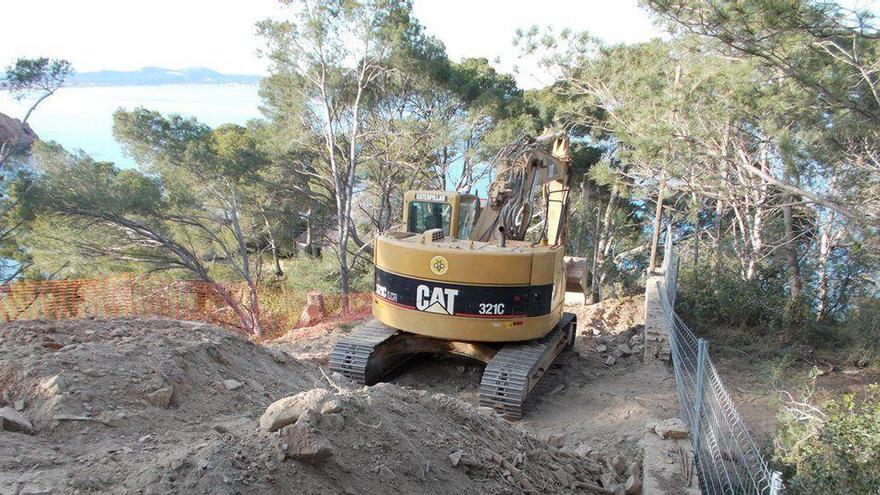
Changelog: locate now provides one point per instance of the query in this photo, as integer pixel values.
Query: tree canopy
(750, 132)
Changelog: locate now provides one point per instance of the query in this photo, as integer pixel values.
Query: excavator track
(374, 350)
(355, 356)
(515, 370)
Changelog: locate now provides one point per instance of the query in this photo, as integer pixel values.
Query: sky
(220, 34)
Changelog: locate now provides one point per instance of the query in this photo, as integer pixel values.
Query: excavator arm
(531, 178)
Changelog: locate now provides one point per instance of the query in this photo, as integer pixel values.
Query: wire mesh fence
(670, 270)
(727, 459)
(277, 309)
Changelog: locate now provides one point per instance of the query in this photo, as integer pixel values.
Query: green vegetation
(832, 447)
(766, 170)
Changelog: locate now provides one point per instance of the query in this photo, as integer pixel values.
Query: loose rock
(52, 385)
(287, 411)
(304, 443)
(623, 350)
(633, 485)
(485, 411)
(161, 397)
(672, 428)
(583, 450)
(12, 420)
(563, 477)
(231, 385)
(332, 406)
(608, 480)
(556, 440)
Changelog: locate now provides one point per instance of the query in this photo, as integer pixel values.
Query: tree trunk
(256, 326)
(822, 269)
(697, 226)
(602, 244)
(594, 277)
(719, 211)
(385, 211)
(310, 252)
(794, 272)
(270, 238)
(583, 239)
(245, 264)
(756, 234)
(277, 260)
(655, 238)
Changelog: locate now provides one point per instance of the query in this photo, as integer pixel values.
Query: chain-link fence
(728, 460)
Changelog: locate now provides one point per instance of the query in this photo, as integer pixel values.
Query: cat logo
(437, 300)
(439, 265)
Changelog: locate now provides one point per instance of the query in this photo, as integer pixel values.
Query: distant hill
(157, 76)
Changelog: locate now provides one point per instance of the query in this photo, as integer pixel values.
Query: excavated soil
(156, 406)
(590, 402)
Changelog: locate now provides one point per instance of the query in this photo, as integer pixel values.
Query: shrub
(861, 327)
(833, 447)
(709, 297)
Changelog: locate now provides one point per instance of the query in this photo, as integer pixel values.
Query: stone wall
(656, 324)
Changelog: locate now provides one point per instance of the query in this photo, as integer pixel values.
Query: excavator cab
(455, 213)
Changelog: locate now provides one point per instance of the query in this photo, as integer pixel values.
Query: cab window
(424, 215)
(467, 216)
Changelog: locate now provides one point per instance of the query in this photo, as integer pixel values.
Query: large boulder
(286, 411)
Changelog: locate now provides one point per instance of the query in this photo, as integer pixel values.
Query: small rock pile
(614, 347)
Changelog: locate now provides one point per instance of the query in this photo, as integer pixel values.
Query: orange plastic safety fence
(277, 310)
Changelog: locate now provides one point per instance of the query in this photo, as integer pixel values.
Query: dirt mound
(162, 407)
(123, 404)
(611, 316)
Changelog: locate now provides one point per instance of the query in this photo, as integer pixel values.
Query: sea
(81, 118)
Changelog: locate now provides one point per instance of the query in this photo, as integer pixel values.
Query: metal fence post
(702, 353)
(776, 485)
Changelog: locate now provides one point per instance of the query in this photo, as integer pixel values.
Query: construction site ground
(160, 406)
(582, 397)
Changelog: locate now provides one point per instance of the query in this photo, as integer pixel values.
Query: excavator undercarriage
(374, 350)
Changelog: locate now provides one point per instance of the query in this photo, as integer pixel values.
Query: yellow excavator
(484, 282)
